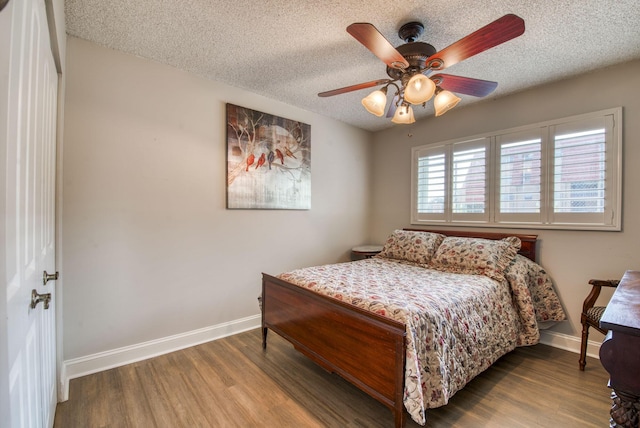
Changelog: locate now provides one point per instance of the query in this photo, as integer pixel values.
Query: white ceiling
(291, 50)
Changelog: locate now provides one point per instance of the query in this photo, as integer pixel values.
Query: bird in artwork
(250, 160)
(280, 156)
(289, 153)
(270, 157)
(261, 161)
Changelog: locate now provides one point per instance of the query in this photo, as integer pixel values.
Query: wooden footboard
(364, 348)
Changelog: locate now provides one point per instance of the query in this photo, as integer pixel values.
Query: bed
(413, 325)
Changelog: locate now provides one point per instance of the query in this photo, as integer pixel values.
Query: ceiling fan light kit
(445, 101)
(419, 89)
(410, 64)
(404, 115)
(376, 101)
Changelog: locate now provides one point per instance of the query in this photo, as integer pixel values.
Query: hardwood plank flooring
(231, 382)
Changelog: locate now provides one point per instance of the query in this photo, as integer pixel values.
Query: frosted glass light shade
(444, 102)
(419, 89)
(375, 102)
(404, 115)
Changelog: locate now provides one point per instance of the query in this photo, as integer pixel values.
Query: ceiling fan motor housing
(416, 54)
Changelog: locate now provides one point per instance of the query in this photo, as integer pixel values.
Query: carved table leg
(625, 410)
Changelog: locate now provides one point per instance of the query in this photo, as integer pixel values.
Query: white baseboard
(569, 343)
(94, 363)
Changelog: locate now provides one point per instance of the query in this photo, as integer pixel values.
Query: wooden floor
(232, 383)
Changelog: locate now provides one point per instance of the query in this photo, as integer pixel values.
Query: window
(431, 180)
(559, 174)
(469, 180)
(520, 177)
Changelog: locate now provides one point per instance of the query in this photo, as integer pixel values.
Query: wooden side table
(365, 252)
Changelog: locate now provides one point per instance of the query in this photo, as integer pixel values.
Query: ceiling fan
(409, 65)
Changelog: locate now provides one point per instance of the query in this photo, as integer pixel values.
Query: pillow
(413, 246)
(476, 256)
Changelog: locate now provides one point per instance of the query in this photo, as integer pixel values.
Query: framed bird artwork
(268, 161)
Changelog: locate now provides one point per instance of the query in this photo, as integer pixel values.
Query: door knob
(46, 277)
(37, 298)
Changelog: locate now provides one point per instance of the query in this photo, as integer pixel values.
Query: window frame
(609, 220)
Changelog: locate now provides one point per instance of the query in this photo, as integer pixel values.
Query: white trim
(569, 343)
(94, 363)
(82, 366)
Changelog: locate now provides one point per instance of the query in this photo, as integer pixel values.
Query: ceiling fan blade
(351, 88)
(373, 40)
(464, 85)
(499, 31)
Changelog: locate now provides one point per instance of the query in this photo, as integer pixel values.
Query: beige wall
(571, 257)
(149, 249)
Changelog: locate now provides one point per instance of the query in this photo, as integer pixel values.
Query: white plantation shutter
(431, 178)
(469, 195)
(579, 172)
(584, 188)
(519, 184)
(430, 165)
(559, 174)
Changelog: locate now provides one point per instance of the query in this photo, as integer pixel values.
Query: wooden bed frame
(364, 348)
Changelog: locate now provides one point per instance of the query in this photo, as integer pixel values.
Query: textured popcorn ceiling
(291, 50)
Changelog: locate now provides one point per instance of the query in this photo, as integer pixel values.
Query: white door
(29, 90)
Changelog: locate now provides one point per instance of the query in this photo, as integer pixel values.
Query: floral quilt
(457, 324)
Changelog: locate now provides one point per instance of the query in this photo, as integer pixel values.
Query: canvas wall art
(268, 161)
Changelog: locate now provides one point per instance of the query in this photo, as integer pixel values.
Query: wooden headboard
(527, 249)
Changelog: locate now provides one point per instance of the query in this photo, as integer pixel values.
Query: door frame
(58, 37)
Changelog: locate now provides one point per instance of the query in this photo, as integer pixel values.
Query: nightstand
(365, 252)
